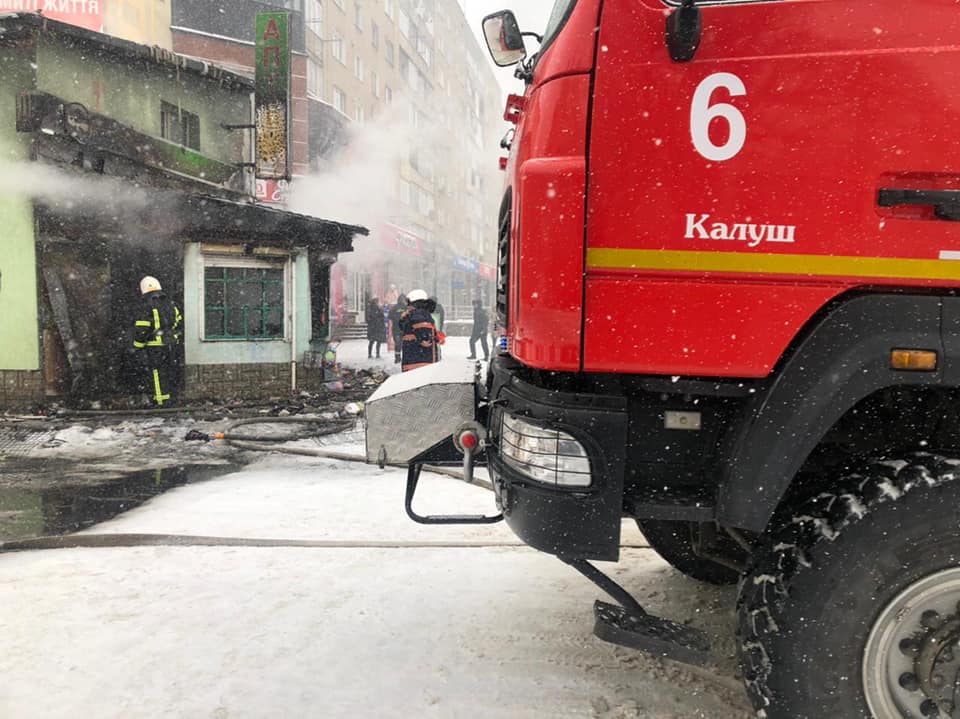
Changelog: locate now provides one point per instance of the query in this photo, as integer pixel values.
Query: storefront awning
(105, 208)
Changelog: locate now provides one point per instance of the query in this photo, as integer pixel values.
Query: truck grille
(503, 260)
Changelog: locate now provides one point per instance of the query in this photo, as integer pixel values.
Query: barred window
(243, 303)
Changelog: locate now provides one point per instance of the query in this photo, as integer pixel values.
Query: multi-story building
(395, 118)
(411, 72)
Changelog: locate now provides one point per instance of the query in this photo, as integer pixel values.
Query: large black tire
(823, 579)
(674, 543)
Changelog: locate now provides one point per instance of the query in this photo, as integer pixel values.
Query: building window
(179, 126)
(338, 3)
(374, 34)
(337, 49)
(358, 16)
(243, 302)
(340, 100)
(314, 79)
(388, 8)
(375, 83)
(314, 15)
(358, 67)
(404, 24)
(359, 115)
(388, 51)
(387, 94)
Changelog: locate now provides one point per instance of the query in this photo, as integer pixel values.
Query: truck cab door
(730, 197)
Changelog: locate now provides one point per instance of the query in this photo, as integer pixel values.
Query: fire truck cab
(729, 257)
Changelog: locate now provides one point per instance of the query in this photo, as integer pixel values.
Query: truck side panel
(734, 195)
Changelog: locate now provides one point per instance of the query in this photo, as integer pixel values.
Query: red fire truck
(729, 262)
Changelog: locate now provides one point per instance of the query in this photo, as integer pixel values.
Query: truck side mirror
(684, 26)
(503, 38)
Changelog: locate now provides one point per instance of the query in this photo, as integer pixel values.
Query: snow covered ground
(380, 618)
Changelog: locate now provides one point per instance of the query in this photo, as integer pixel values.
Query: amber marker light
(914, 360)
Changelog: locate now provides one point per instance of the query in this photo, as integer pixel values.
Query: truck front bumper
(549, 514)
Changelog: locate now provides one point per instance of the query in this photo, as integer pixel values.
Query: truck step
(655, 635)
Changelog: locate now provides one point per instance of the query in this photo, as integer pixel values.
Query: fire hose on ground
(270, 442)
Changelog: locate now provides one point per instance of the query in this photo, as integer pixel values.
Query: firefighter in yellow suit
(156, 339)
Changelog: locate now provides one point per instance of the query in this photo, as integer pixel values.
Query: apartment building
(414, 69)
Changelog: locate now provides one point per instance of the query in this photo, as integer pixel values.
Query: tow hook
(469, 440)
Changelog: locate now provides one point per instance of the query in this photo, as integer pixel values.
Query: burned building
(119, 160)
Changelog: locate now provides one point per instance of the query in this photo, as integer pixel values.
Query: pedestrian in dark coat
(376, 330)
(419, 332)
(157, 333)
(479, 332)
(395, 312)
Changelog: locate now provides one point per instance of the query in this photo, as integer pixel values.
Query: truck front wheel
(675, 543)
(852, 607)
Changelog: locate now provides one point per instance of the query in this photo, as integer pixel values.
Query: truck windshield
(561, 9)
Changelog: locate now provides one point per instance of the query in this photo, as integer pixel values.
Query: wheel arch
(842, 358)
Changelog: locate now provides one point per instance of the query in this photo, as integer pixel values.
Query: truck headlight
(545, 455)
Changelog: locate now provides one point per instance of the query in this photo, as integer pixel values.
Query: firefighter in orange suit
(156, 339)
(419, 332)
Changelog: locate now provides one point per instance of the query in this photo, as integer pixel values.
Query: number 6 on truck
(701, 113)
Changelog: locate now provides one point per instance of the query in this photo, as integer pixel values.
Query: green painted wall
(19, 342)
(130, 92)
(200, 352)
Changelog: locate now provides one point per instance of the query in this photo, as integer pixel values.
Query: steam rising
(65, 191)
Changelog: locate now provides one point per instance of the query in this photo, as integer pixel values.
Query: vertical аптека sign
(272, 95)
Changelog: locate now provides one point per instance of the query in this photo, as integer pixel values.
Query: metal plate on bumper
(415, 410)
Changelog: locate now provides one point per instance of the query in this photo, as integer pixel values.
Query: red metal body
(691, 218)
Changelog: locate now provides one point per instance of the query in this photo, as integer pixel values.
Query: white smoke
(67, 191)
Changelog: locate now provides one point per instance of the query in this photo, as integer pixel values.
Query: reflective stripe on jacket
(419, 338)
(158, 322)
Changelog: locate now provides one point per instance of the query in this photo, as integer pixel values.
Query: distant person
(479, 331)
(395, 331)
(376, 330)
(156, 340)
(419, 332)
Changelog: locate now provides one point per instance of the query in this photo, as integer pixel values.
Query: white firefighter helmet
(414, 295)
(149, 284)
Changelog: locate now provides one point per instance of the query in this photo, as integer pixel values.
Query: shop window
(243, 302)
(179, 126)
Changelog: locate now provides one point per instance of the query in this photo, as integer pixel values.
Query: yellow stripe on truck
(599, 258)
